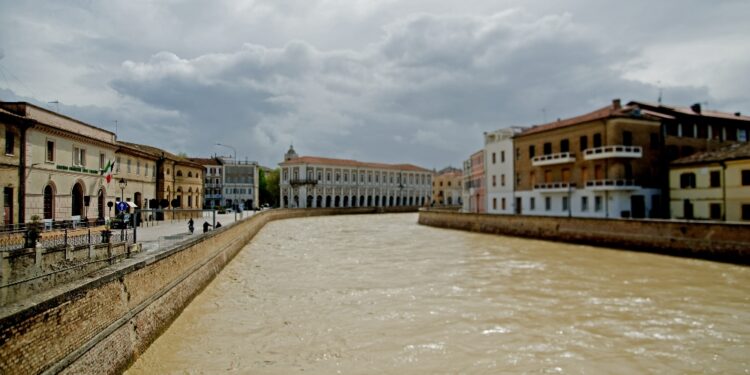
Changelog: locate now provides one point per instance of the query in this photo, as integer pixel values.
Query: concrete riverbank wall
(727, 242)
(100, 324)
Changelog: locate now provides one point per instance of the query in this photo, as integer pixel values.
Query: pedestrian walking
(191, 228)
(205, 226)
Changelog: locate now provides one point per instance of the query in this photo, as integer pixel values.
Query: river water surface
(374, 294)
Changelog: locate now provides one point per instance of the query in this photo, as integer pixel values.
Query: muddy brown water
(375, 294)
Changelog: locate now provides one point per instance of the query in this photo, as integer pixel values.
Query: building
(12, 127)
(474, 199)
(61, 160)
(499, 169)
(712, 185)
(601, 164)
(447, 187)
(309, 181)
(213, 182)
(179, 182)
(240, 185)
(137, 169)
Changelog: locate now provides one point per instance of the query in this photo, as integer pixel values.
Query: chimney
(696, 108)
(616, 103)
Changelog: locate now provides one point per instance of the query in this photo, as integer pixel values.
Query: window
(583, 142)
(138, 168)
(746, 212)
(532, 151)
(494, 181)
(627, 138)
(101, 160)
(518, 153)
(547, 203)
(715, 211)
(598, 140)
(502, 180)
(145, 171)
(502, 156)
(564, 145)
(494, 203)
(50, 151)
(320, 176)
(130, 165)
(532, 203)
(547, 148)
(79, 156)
(584, 203)
(10, 140)
(654, 141)
(565, 203)
(502, 204)
(597, 203)
(493, 158)
(328, 176)
(746, 177)
(715, 179)
(338, 177)
(687, 180)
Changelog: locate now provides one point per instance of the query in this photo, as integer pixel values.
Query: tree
(268, 183)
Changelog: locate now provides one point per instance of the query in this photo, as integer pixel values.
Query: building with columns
(308, 182)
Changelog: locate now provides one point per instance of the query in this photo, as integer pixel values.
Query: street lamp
(233, 149)
(122, 184)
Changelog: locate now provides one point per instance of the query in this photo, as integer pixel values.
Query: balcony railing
(554, 187)
(612, 184)
(615, 151)
(551, 159)
(303, 181)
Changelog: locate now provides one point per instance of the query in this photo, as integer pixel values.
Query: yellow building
(11, 128)
(713, 185)
(447, 187)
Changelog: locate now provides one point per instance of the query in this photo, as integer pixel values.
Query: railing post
(66, 237)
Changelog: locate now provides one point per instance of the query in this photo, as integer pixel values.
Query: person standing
(191, 228)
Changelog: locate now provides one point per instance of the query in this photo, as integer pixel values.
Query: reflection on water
(381, 294)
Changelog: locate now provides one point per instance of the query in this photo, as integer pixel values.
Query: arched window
(49, 202)
(77, 200)
(190, 174)
(179, 173)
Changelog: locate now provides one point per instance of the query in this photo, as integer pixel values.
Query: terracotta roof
(157, 152)
(602, 113)
(736, 151)
(207, 161)
(661, 108)
(352, 163)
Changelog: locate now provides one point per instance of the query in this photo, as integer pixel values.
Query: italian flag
(108, 170)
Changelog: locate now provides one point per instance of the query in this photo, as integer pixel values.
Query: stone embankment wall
(728, 242)
(102, 323)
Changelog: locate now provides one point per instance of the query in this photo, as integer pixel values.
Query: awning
(132, 205)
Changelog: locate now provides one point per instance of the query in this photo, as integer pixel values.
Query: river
(373, 294)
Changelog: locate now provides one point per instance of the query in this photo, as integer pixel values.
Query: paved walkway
(157, 235)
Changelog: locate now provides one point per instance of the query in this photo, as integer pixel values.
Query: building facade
(308, 182)
(240, 186)
(61, 163)
(712, 185)
(474, 198)
(137, 169)
(601, 164)
(213, 181)
(447, 187)
(12, 128)
(499, 167)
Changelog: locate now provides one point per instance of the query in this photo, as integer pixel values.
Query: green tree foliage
(269, 187)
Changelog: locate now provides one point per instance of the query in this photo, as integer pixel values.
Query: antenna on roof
(660, 92)
(57, 105)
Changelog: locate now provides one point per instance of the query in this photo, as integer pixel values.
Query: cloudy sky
(391, 81)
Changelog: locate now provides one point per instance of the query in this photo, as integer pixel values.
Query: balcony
(615, 151)
(303, 181)
(551, 159)
(612, 184)
(554, 187)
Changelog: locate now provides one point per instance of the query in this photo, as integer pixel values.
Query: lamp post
(233, 149)
(123, 183)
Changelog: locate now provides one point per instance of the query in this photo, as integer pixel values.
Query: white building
(308, 182)
(499, 171)
(240, 184)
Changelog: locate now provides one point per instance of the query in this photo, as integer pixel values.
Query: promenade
(157, 235)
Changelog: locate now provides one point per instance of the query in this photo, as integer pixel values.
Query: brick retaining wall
(103, 323)
(727, 242)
